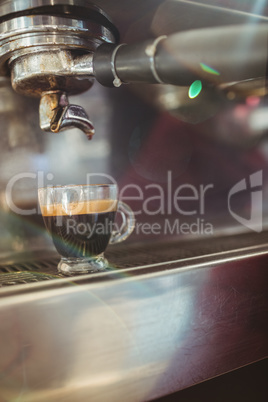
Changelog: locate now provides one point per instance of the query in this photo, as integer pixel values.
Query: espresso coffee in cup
(80, 220)
(82, 230)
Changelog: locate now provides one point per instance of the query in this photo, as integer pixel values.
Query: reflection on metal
(242, 89)
(209, 69)
(195, 89)
(144, 332)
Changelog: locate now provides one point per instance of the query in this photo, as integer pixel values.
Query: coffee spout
(56, 114)
(71, 116)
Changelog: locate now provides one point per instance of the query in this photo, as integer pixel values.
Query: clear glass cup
(81, 221)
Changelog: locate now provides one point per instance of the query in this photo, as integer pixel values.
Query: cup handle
(127, 226)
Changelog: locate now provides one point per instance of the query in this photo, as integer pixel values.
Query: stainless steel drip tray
(167, 315)
(136, 258)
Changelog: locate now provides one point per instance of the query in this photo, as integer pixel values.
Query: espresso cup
(80, 220)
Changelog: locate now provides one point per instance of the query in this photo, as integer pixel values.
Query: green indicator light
(208, 69)
(195, 89)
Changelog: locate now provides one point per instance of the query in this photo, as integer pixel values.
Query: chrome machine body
(182, 305)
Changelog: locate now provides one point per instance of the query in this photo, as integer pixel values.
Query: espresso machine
(169, 100)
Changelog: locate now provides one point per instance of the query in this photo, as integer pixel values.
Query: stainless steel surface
(48, 70)
(152, 254)
(30, 32)
(142, 17)
(143, 332)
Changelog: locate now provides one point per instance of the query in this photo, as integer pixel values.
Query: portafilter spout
(56, 114)
(51, 75)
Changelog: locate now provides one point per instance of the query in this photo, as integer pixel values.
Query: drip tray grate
(20, 278)
(28, 272)
(43, 265)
